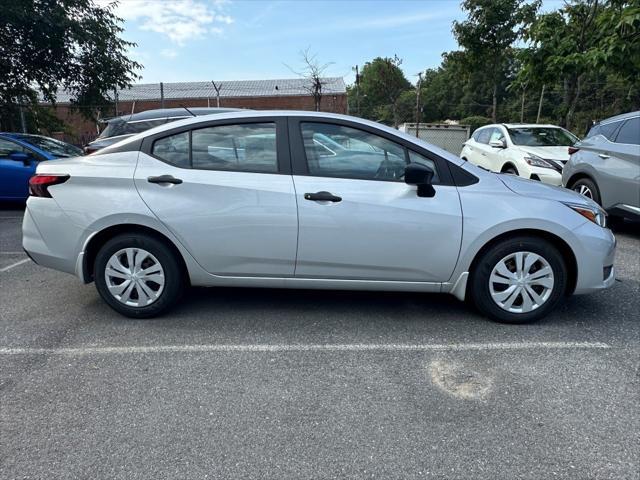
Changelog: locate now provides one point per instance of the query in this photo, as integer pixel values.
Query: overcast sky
(199, 40)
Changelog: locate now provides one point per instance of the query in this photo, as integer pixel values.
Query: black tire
(590, 186)
(479, 285)
(510, 170)
(174, 276)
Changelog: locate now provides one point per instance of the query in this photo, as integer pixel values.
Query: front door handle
(165, 179)
(322, 197)
(603, 156)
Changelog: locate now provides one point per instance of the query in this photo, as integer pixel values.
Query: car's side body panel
(233, 223)
(379, 231)
(431, 245)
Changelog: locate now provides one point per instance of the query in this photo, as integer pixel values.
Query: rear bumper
(58, 249)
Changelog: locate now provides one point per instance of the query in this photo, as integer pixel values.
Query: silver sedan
(310, 200)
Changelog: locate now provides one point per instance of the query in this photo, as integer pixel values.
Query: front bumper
(546, 175)
(595, 258)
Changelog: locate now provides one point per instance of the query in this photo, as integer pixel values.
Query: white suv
(537, 152)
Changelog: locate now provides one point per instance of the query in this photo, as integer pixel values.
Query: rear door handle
(603, 156)
(165, 179)
(322, 197)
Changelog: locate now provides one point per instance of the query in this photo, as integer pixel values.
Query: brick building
(285, 94)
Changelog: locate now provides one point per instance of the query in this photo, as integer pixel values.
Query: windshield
(52, 146)
(542, 137)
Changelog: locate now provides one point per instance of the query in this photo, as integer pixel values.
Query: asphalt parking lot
(244, 383)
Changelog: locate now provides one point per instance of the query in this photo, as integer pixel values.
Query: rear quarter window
(607, 130)
(629, 133)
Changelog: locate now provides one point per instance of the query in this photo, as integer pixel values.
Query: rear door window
(247, 147)
(607, 130)
(173, 149)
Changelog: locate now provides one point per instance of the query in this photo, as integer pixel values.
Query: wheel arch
(580, 175)
(564, 248)
(507, 165)
(100, 238)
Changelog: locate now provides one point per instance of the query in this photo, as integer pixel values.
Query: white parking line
(9, 267)
(12, 253)
(357, 347)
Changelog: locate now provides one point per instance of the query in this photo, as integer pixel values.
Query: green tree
(46, 45)
(487, 36)
(382, 83)
(586, 42)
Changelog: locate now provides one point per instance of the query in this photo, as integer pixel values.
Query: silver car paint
(101, 193)
(379, 231)
(615, 168)
(234, 223)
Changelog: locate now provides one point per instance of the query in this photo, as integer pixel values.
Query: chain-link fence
(448, 137)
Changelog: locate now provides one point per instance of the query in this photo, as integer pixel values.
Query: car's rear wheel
(138, 275)
(519, 280)
(588, 188)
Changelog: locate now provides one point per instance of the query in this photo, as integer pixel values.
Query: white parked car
(537, 152)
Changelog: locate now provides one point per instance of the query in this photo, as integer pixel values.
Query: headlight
(536, 161)
(595, 214)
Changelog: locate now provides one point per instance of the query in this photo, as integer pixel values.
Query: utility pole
(540, 104)
(161, 95)
(357, 88)
(217, 88)
(522, 107)
(418, 104)
(23, 122)
(115, 97)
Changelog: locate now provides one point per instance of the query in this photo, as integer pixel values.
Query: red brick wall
(82, 131)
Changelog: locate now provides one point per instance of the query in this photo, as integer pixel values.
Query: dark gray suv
(119, 128)
(605, 166)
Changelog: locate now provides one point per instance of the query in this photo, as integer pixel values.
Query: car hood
(535, 189)
(552, 153)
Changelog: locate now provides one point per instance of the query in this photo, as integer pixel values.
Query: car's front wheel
(588, 188)
(138, 275)
(519, 280)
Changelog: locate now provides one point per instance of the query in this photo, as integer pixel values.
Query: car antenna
(190, 112)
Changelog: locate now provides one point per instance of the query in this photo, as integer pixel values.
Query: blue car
(20, 154)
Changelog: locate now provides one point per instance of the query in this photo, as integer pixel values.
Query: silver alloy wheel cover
(139, 286)
(516, 275)
(584, 190)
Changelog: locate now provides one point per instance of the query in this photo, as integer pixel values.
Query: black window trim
(299, 158)
(282, 138)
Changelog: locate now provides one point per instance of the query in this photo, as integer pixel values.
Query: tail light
(40, 183)
(573, 150)
(89, 150)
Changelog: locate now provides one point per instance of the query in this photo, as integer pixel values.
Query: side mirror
(422, 176)
(19, 157)
(498, 143)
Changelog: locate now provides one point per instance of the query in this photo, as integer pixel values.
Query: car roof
(240, 114)
(170, 112)
(622, 116)
(530, 125)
